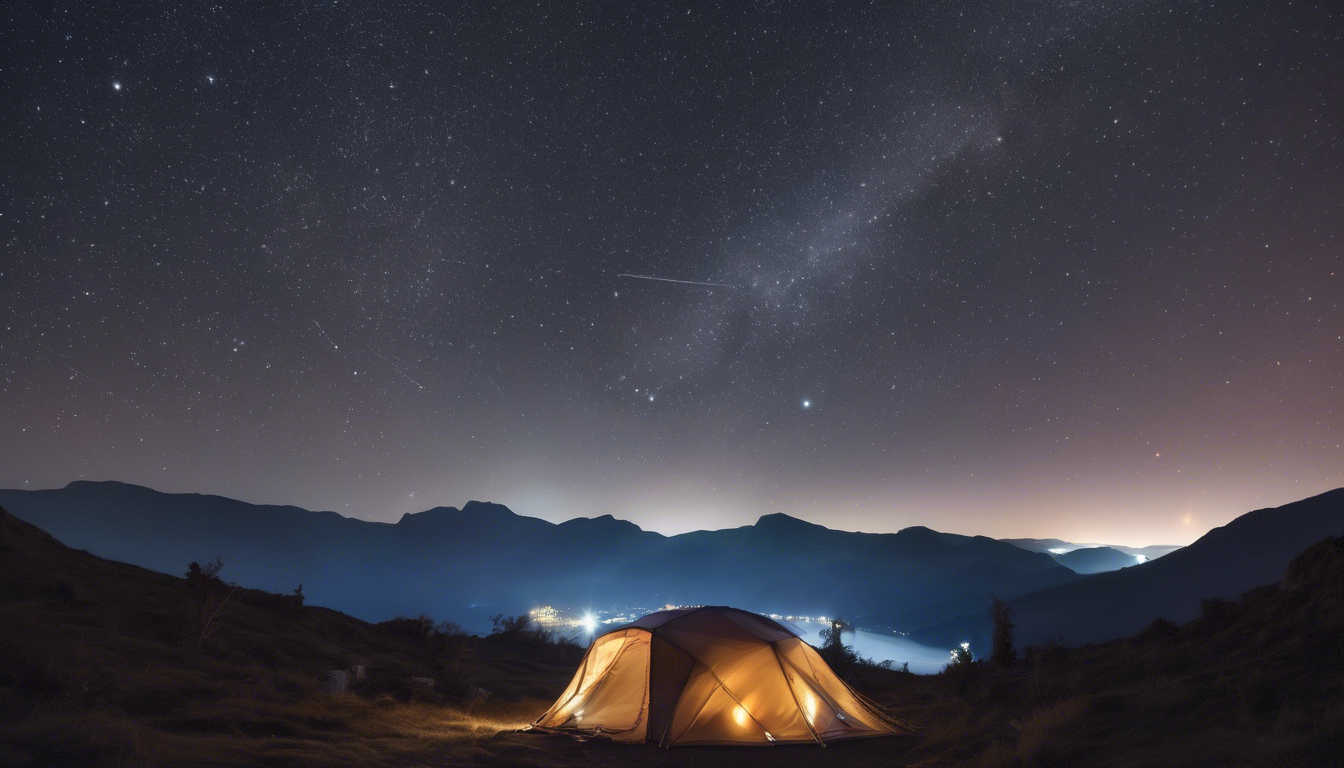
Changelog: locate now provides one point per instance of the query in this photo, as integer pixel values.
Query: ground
(104, 663)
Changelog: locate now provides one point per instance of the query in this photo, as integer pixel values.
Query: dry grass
(96, 669)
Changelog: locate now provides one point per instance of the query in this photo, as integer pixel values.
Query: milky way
(1035, 269)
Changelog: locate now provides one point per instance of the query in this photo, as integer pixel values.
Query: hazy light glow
(1055, 280)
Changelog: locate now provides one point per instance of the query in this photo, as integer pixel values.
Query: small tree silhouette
(510, 625)
(207, 594)
(1002, 654)
(840, 657)
(962, 656)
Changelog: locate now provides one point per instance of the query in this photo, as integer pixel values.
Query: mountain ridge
(1251, 550)
(456, 563)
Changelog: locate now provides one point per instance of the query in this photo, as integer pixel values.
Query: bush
(518, 630)
(963, 669)
(1159, 631)
(418, 627)
(1216, 611)
(510, 625)
(445, 646)
(206, 596)
(839, 657)
(961, 655)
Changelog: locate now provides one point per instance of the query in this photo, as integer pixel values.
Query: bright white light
(589, 623)
(1058, 550)
(807, 403)
(116, 86)
(1140, 559)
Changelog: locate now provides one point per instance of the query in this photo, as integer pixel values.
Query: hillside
(1255, 682)
(100, 671)
(1249, 551)
(498, 561)
(1059, 546)
(1095, 560)
(102, 666)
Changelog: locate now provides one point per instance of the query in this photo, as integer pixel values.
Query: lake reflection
(883, 647)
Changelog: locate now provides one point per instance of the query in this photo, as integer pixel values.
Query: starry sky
(1010, 268)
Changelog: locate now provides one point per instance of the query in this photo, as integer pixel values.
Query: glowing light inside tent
(740, 715)
(810, 707)
(572, 704)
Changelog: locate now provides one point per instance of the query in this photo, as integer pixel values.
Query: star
(807, 404)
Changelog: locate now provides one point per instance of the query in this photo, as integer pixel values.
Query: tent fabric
(710, 675)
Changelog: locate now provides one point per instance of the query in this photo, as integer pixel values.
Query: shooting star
(398, 370)
(96, 382)
(672, 280)
(334, 345)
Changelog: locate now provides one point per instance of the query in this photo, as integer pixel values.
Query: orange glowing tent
(709, 675)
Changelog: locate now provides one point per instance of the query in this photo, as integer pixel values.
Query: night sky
(1017, 269)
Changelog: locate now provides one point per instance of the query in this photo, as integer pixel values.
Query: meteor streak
(334, 345)
(671, 280)
(398, 370)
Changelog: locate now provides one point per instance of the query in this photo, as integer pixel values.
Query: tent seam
(794, 694)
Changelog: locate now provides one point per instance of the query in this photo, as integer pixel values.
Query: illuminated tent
(709, 676)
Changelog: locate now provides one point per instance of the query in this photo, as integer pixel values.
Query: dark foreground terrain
(103, 663)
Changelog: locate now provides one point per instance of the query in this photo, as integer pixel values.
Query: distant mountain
(1043, 545)
(1095, 560)
(1058, 547)
(465, 564)
(1251, 550)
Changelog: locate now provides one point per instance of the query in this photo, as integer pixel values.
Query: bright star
(116, 85)
(807, 403)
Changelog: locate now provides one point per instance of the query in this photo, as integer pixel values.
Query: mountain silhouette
(465, 564)
(1251, 550)
(1057, 547)
(1095, 560)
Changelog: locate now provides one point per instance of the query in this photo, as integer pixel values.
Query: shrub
(838, 656)
(421, 626)
(963, 669)
(962, 655)
(510, 625)
(1159, 631)
(1216, 611)
(207, 594)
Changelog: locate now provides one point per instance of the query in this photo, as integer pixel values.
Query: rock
(358, 675)
(334, 683)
